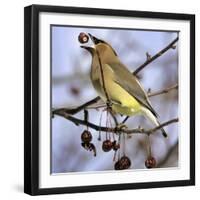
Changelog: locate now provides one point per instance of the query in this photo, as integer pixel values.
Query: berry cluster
(107, 145)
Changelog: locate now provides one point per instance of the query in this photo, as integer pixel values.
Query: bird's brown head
(104, 49)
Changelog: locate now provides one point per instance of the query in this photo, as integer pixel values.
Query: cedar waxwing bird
(123, 89)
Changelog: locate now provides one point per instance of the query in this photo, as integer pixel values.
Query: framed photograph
(109, 100)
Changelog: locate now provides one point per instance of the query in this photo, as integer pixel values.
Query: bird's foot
(109, 104)
(121, 126)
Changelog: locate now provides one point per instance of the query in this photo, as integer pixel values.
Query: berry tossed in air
(86, 136)
(83, 38)
(150, 162)
(125, 162)
(107, 145)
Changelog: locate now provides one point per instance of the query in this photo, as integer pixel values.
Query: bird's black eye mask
(97, 41)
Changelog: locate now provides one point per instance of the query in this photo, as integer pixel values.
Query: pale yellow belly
(123, 102)
(128, 104)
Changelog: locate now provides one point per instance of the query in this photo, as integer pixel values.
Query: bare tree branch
(73, 111)
(160, 53)
(117, 129)
(163, 91)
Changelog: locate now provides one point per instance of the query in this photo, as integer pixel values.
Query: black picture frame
(31, 98)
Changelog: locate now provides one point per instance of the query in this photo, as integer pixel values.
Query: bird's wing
(129, 82)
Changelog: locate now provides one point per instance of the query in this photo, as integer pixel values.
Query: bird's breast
(96, 80)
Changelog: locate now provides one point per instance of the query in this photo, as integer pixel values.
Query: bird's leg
(109, 104)
(121, 126)
(125, 119)
(123, 122)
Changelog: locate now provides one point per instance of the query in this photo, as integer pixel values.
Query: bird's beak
(94, 39)
(90, 49)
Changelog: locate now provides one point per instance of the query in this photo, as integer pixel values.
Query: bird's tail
(153, 119)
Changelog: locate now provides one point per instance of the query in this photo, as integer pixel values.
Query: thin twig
(151, 59)
(97, 106)
(162, 125)
(73, 111)
(150, 131)
(163, 91)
